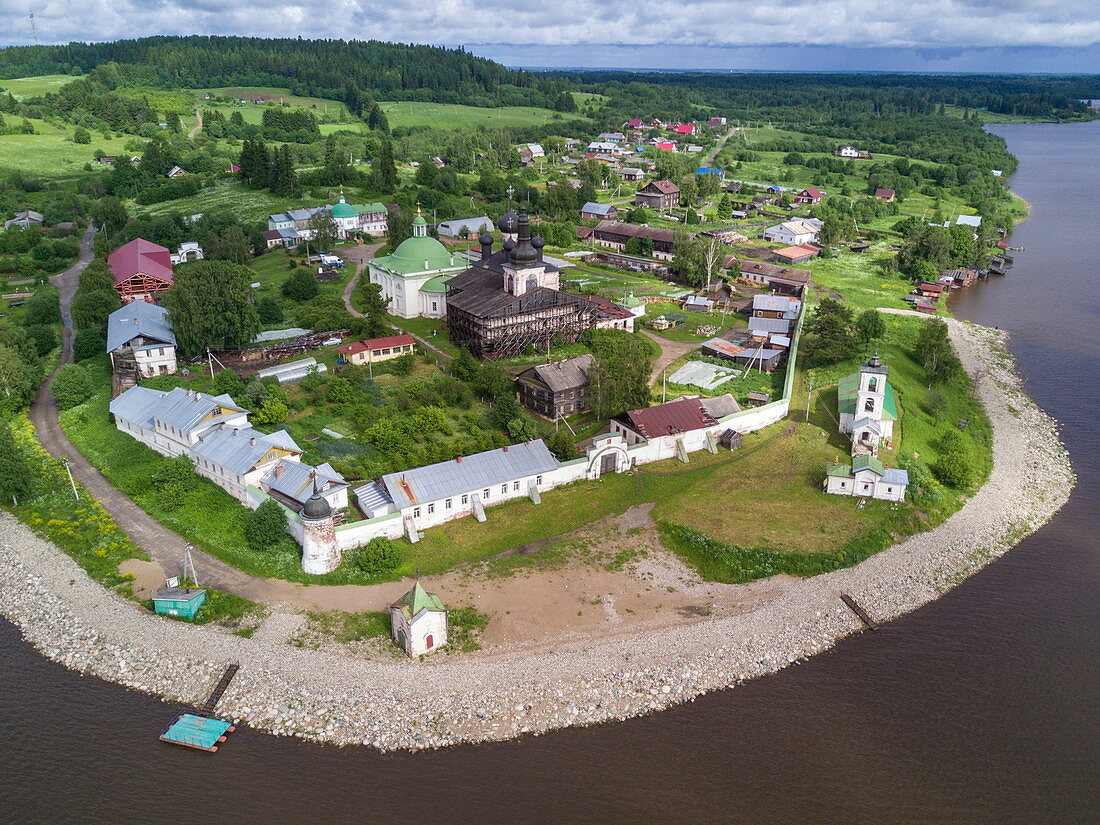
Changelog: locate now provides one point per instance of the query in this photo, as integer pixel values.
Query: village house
(634, 123)
(630, 173)
(510, 300)
(866, 477)
(602, 147)
(659, 195)
(414, 276)
(558, 389)
(464, 227)
(141, 270)
(887, 195)
(810, 196)
(715, 122)
(852, 153)
(610, 315)
(140, 341)
(293, 224)
(745, 354)
(794, 233)
(25, 218)
(374, 350)
(615, 235)
(611, 137)
(796, 254)
(683, 129)
(370, 219)
(418, 622)
(778, 278)
(598, 211)
(776, 306)
(176, 172)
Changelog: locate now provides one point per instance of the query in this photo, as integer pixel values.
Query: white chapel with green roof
(414, 277)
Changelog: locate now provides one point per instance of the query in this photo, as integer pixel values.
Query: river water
(982, 707)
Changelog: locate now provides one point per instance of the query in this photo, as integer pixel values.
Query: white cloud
(713, 23)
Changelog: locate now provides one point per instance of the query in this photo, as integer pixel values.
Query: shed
(758, 398)
(179, 601)
(730, 439)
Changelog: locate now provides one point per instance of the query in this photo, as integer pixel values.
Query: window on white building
(538, 481)
(485, 494)
(431, 508)
(447, 504)
(515, 485)
(504, 489)
(465, 498)
(416, 512)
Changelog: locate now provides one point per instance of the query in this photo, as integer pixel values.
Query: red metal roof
(376, 343)
(140, 256)
(674, 417)
(685, 129)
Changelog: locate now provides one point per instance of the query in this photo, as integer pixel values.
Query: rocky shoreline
(406, 705)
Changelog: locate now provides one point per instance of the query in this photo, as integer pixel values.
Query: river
(979, 708)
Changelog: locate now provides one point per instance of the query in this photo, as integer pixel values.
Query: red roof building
(810, 195)
(887, 195)
(672, 418)
(141, 270)
(667, 145)
(372, 350)
(634, 123)
(685, 129)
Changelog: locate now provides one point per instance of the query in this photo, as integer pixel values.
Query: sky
(819, 35)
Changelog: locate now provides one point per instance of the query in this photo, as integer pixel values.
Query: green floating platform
(201, 732)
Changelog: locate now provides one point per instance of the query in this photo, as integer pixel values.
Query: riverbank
(407, 705)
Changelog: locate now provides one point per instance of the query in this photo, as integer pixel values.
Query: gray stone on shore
(321, 695)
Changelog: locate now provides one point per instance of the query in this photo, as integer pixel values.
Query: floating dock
(203, 733)
(200, 729)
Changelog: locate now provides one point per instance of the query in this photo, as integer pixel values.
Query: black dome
(508, 222)
(509, 244)
(484, 238)
(316, 507)
(538, 242)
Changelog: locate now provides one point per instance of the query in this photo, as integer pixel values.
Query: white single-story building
(794, 233)
(418, 622)
(461, 227)
(866, 477)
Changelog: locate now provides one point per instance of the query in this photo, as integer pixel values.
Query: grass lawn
(270, 93)
(230, 196)
(51, 153)
(860, 280)
(687, 332)
(433, 330)
(36, 86)
(458, 116)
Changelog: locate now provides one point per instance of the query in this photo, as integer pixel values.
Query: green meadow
(457, 116)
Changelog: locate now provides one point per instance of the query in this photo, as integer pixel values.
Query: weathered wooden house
(557, 389)
(658, 194)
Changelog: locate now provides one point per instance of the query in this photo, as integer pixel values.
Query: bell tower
(872, 389)
(524, 269)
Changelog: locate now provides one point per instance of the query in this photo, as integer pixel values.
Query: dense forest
(314, 68)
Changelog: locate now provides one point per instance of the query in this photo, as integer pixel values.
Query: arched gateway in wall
(607, 455)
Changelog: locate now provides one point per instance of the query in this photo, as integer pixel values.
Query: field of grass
(51, 153)
(35, 86)
(271, 94)
(688, 332)
(457, 116)
(861, 280)
(248, 205)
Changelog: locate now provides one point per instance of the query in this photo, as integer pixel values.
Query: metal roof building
(470, 474)
(138, 319)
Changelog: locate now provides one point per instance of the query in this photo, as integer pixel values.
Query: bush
(88, 343)
(81, 135)
(265, 527)
(954, 466)
(273, 411)
(44, 337)
(269, 311)
(173, 480)
(71, 386)
(227, 381)
(379, 557)
(300, 286)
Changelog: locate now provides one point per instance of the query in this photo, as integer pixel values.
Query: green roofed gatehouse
(183, 602)
(418, 621)
(414, 276)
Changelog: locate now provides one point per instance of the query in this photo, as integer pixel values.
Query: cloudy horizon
(825, 35)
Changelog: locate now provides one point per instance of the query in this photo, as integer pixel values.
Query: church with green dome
(414, 276)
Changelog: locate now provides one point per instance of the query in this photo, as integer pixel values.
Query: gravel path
(410, 705)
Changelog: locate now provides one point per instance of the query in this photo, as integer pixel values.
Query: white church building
(414, 277)
(868, 411)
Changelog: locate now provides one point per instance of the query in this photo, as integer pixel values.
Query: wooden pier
(219, 689)
(859, 611)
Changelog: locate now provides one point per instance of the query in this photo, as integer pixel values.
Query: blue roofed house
(866, 477)
(593, 211)
(291, 482)
(140, 340)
